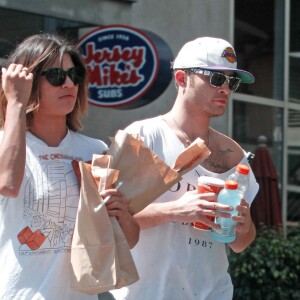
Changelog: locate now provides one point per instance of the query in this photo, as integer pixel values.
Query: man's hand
(194, 207)
(243, 219)
(245, 229)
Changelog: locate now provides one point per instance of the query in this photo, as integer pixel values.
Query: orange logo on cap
(229, 54)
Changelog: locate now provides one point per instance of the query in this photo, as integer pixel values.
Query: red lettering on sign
(134, 55)
(112, 76)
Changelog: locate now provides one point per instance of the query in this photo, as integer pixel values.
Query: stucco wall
(90, 11)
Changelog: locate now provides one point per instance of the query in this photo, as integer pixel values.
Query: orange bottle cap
(231, 184)
(243, 169)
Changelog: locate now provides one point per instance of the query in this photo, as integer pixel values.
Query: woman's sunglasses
(217, 79)
(57, 76)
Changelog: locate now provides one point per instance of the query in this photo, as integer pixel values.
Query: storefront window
(258, 40)
(293, 136)
(294, 54)
(261, 42)
(247, 128)
(294, 168)
(16, 25)
(293, 211)
(293, 180)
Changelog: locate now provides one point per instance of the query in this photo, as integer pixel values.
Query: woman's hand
(117, 206)
(17, 83)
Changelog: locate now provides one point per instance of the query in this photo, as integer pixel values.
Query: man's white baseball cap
(210, 53)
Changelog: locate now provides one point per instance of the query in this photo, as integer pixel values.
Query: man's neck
(190, 120)
(188, 128)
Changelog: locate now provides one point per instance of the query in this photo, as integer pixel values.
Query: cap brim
(246, 77)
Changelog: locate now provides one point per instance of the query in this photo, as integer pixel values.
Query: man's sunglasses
(57, 76)
(217, 79)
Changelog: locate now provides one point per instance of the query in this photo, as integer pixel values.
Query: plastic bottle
(229, 196)
(241, 175)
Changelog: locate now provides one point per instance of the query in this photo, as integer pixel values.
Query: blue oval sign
(122, 63)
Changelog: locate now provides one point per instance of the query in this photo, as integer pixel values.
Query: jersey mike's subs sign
(127, 67)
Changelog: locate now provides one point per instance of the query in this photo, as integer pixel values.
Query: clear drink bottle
(241, 175)
(228, 196)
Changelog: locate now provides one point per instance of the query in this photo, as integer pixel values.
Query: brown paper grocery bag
(144, 174)
(100, 256)
(193, 155)
(126, 273)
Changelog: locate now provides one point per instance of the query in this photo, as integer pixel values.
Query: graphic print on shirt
(50, 207)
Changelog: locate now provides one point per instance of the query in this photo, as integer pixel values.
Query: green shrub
(269, 269)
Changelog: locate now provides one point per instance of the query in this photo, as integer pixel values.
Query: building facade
(266, 38)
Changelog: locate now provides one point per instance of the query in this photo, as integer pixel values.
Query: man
(176, 261)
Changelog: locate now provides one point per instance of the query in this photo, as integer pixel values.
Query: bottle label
(226, 227)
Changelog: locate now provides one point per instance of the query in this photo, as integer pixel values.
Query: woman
(43, 96)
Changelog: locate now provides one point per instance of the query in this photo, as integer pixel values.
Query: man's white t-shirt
(37, 226)
(176, 261)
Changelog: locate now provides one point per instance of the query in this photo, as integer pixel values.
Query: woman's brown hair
(37, 52)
